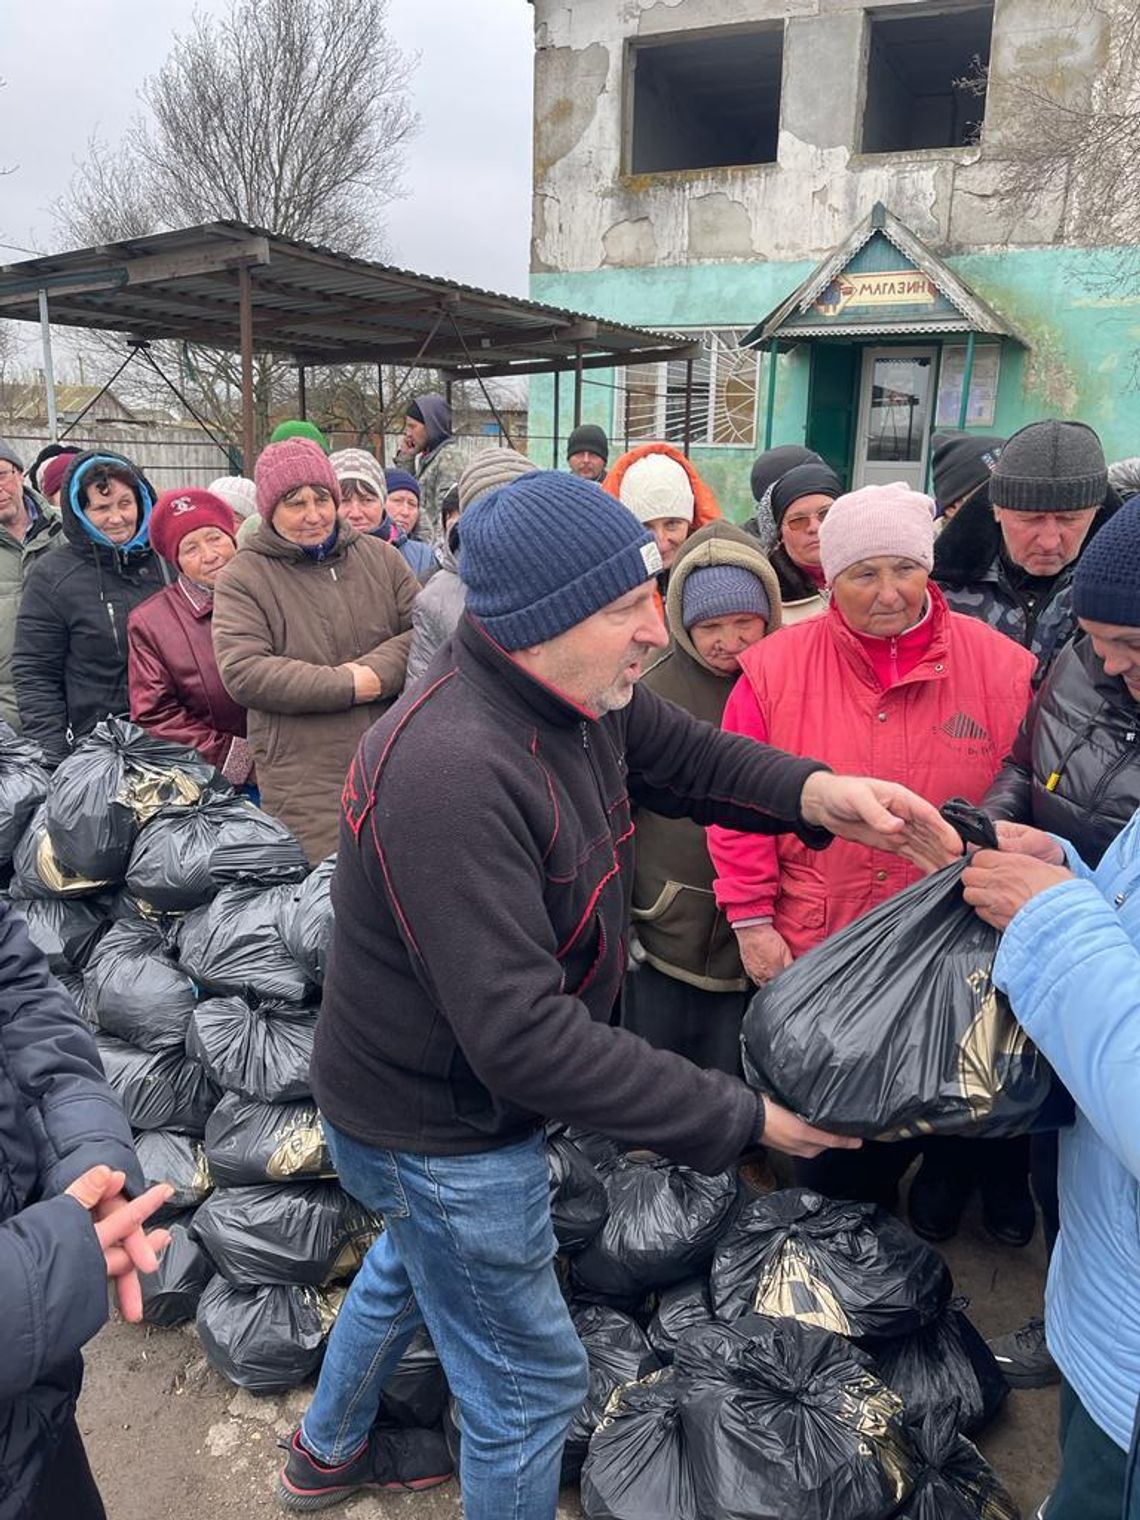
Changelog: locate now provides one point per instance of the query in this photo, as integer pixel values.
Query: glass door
(895, 398)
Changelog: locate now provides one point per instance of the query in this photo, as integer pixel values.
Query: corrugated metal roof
(313, 305)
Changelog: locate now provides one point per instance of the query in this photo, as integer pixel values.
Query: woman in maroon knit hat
(175, 687)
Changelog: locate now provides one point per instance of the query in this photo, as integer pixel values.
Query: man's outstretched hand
(880, 814)
(127, 1248)
(787, 1132)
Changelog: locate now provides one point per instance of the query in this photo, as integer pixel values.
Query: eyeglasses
(8, 476)
(803, 522)
(360, 489)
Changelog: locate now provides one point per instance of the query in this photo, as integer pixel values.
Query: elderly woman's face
(361, 505)
(306, 516)
(404, 507)
(883, 596)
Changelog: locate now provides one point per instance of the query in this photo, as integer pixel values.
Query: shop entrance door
(895, 399)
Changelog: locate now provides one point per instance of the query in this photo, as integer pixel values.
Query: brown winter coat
(283, 624)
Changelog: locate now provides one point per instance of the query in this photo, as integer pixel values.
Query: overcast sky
(467, 213)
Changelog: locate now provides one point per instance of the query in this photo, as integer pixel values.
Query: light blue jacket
(1070, 964)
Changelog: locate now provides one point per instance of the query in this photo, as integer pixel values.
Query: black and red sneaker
(389, 1459)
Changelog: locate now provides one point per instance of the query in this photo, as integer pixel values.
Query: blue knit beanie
(716, 591)
(1106, 582)
(400, 480)
(546, 552)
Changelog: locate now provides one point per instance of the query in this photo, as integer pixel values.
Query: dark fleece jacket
(482, 893)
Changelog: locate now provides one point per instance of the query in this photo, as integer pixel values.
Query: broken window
(706, 102)
(917, 66)
(651, 400)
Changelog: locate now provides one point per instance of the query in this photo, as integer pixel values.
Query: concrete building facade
(827, 180)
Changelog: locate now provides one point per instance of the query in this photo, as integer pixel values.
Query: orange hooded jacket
(705, 508)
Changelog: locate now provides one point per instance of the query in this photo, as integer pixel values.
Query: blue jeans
(468, 1250)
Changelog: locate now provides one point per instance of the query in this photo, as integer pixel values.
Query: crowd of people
(590, 755)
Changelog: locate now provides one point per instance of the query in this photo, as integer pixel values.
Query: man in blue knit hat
(482, 898)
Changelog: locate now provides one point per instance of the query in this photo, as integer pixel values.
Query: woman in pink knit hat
(887, 682)
(312, 622)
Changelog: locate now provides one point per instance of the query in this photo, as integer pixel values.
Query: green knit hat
(298, 429)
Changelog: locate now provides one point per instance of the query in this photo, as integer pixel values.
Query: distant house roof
(21, 402)
(881, 281)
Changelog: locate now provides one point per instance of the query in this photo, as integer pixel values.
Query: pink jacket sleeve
(747, 866)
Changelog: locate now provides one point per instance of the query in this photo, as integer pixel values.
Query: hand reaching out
(787, 1132)
(883, 815)
(1020, 839)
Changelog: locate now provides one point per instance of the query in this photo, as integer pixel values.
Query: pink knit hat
(877, 520)
(287, 466)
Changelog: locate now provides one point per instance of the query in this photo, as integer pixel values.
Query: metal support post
(688, 405)
(381, 450)
(577, 385)
(557, 404)
(773, 353)
(967, 381)
(245, 318)
(49, 371)
(302, 400)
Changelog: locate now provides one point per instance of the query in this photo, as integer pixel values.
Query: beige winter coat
(283, 625)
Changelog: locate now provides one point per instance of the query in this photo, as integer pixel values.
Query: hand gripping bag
(248, 1143)
(114, 780)
(849, 1267)
(261, 1053)
(184, 855)
(618, 1352)
(637, 1467)
(662, 1224)
(783, 1419)
(893, 1028)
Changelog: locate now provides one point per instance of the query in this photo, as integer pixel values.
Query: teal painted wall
(1083, 338)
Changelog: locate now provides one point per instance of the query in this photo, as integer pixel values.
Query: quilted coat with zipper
(69, 662)
(285, 625)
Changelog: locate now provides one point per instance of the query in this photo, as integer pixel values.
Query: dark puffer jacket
(978, 580)
(1075, 765)
(58, 1118)
(69, 664)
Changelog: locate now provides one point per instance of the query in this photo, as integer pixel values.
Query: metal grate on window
(650, 401)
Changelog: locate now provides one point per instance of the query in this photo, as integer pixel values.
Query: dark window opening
(706, 102)
(916, 97)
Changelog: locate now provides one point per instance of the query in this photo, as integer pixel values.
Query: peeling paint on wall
(630, 243)
(719, 228)
(562, 120)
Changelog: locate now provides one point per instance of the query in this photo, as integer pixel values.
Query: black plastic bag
(170, 1296)
(233, 946)
(662, 1225)
(893, 1027)
(849, 1267)
(72, 984)
(416, 1394)
(308, 1234)
(184, 856)
(138, 991)
(618, 1353)
(177, 1159)
(23, 786)
(261, 1053)
(946, 1366)
(265, 1339)
(578, 1202)
(783, 1419)
(637, 1467)
(306, 921)
(248, 1143)
(680, 1309)
(113, 781)
(37, 873)
(955, 1482)
(66, 929)
(158, 1091)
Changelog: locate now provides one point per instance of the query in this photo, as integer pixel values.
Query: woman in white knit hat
(889, 682)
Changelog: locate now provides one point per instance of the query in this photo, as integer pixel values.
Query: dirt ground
(170, 1440)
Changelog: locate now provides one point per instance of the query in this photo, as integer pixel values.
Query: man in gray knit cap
(439, 606)
(1012, 563)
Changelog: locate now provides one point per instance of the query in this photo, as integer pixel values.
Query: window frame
(704, 421)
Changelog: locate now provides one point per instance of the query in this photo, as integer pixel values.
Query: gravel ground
(170, 1440)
